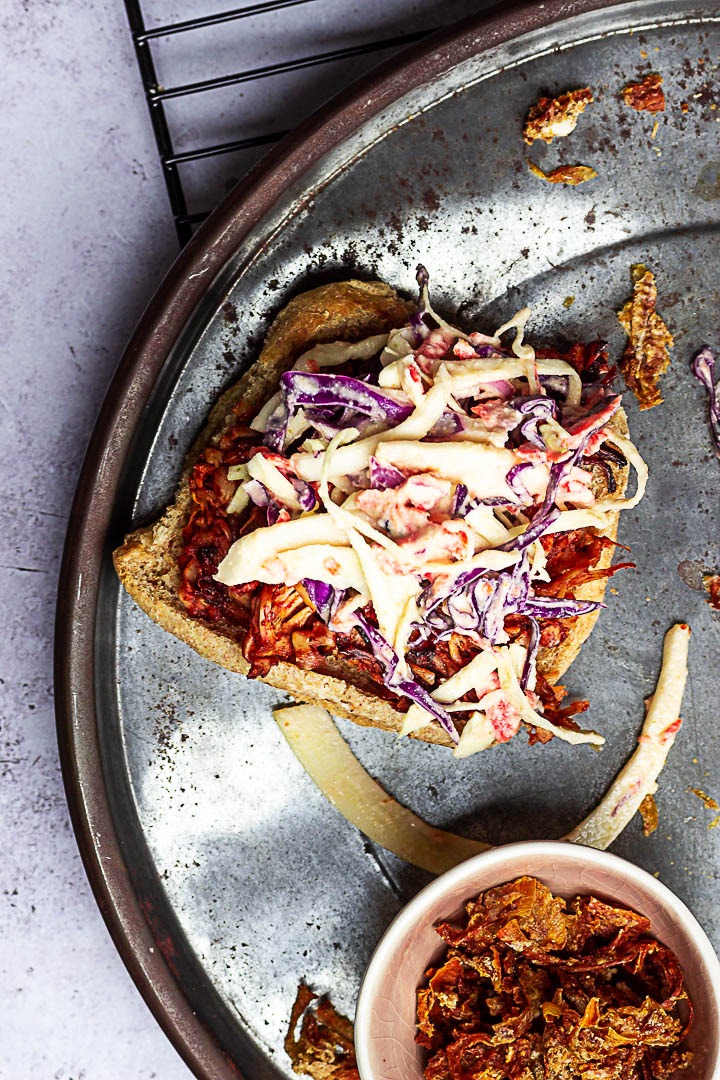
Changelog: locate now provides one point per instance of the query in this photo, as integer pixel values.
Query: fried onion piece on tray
(551, 118)
(711, 584)
(536, 986)
(645, 96)
(572, 175)
(324, 1048)
(646, 354)
(648, 811)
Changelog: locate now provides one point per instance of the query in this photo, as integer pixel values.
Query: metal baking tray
(223, 874)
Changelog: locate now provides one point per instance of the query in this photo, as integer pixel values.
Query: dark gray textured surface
(261, 880)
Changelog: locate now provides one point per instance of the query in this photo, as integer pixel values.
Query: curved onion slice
(329, 761)
(639, 776)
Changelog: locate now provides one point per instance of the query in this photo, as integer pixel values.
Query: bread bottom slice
(146, 562)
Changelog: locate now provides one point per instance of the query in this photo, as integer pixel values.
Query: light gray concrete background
(86, 235)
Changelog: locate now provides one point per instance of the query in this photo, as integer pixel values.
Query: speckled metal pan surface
(224, 875)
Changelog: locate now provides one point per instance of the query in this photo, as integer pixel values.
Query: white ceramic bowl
(385, 1017)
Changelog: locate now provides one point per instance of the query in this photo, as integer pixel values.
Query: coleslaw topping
(422, 503)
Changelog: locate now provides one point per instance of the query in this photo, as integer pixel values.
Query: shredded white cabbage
(259, 468)
(390, 594)
(467, 678)
(241, 498)
(248, 556)
(336, 566)
(334, 353)
(480, 466)
(453, 330)
(478, 734)
(259, 423)
(484, 522)
(467, 375)
(398, 345)
(525, 353)
(511, 686)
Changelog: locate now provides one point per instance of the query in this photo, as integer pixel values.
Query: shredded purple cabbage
(322, 396)
(273, 511)
(537, 527)
(257, 493)
(306, 496)
(389, 661)
(385, 476)
(703, 367)
(462, 503)
(549, 607)
(514, 480)
(323, 597)
(538, 410)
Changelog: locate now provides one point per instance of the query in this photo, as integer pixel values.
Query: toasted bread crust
(146, 562)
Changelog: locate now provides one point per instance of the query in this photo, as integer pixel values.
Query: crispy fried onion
(324, 1048)
(711, 584)
(572, 175)
(646, 354)
(645, 96)
(551, 118)
(528, 977)
(648, 811)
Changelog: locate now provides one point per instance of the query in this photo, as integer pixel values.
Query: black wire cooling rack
(156, 95)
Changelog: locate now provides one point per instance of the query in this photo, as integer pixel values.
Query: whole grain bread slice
(146, 562)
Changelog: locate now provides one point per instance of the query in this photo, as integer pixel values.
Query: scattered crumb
(568, 301)
(711, 584)
(646, 354)
(564, 174)
(654, 131)
(552, 118)
(684, 106)
(645, 96)
(715, 822)
(649, 813)
(708, 800)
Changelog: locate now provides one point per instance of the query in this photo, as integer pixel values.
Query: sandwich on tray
(406, 523)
